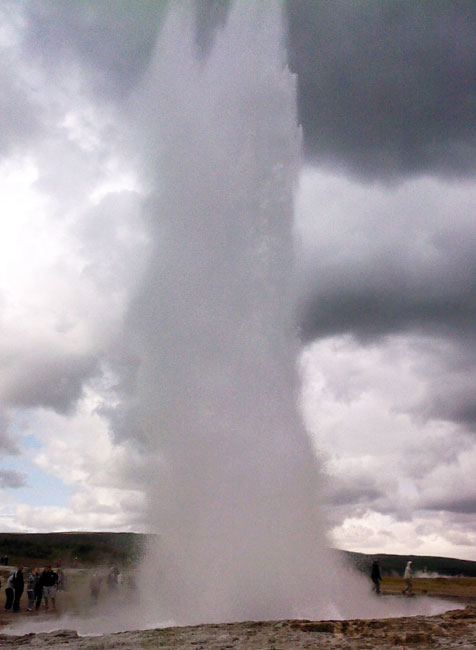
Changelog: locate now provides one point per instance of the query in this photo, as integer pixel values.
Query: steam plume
(234, 499)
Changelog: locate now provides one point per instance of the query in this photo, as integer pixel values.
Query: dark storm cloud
(11, 479)
(421, 457)
(113, 41)
(387, 300)
(346, 493)
(20, 111)
(7, 443)
(124, 416)
(352, 486)
(385, 263)
(386, 88)
(49, 379)
(451, 395)
(389, 266)
(460, 505)
(19, 115)
(443, 324)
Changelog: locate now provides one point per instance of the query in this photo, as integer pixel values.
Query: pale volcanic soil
(453, 629)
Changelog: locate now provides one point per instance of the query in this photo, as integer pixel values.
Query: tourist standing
(49, 579)
(32, 579)
(18, 587)
(375, 575)
(408, 577)
(113, 578)
(38, 590)
(61, 581)
(9, 592)
(95, 587)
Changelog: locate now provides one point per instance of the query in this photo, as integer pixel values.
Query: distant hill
(92, 549)
(395, 564)
(89, 548)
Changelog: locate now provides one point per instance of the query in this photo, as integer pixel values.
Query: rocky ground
(453, 629)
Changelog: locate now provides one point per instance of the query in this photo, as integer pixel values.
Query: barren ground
(453, 629)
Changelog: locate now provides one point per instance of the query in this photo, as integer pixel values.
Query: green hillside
(394, 565)
(88, 548)
(127, 548)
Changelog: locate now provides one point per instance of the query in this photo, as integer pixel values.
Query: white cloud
(88, 514)
(104, 478)
(390, 468)
(358, 399)
(71, 249)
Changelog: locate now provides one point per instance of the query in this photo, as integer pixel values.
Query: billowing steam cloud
(236, 486)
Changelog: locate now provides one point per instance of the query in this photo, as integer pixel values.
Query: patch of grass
(462, 588)
(394, 565)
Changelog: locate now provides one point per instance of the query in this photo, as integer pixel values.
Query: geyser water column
(236, 484)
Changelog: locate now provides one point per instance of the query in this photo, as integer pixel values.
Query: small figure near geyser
(408, 577)
(375, 575)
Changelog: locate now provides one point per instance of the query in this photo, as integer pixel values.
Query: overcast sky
(387, 267)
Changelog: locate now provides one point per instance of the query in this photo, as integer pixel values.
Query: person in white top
(408, 577)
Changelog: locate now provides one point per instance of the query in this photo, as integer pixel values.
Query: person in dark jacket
(9, 592)
(18, 587)
(375, 575)
(50, 580)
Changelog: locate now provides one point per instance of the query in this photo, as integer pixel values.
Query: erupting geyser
(236, 483)
(234, 488)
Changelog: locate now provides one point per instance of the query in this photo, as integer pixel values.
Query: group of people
(376, 577)
(43, 585)
(114, 580)
(40, 585)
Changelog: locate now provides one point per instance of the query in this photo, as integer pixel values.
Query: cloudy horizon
(386, 263)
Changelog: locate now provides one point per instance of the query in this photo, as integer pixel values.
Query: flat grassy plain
(461, 589)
